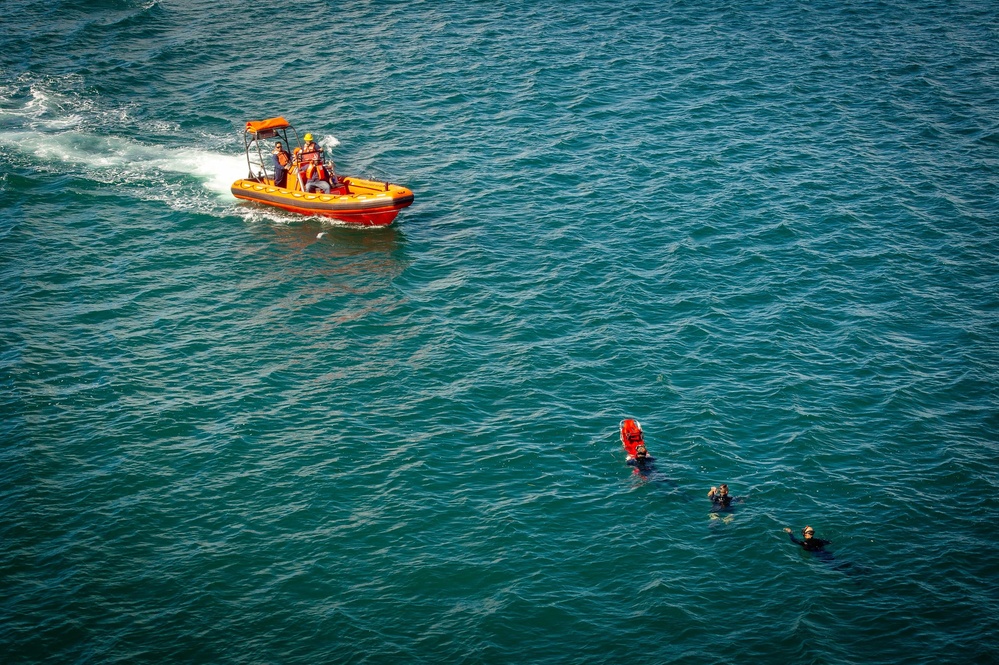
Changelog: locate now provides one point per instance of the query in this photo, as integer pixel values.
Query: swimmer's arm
(791, 536)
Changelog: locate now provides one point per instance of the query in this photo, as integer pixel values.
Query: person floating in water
(720, 498)
(817, 546)
(810, 542)
(633, 440)
(641, 460)
(638, 457)
(721, 503)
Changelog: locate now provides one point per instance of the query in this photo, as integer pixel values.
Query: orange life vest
(311, 152)
(282, 157)
(317, 168)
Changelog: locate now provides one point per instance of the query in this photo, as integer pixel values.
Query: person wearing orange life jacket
(282, 162)
(310, 151)
(316, 177)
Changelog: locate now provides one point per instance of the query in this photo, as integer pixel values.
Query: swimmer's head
(640, 451)
(808, 532)
(724, 489)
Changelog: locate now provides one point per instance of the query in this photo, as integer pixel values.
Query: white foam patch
(74, 120)
(329, 142)
(265, 215)
(217, 172)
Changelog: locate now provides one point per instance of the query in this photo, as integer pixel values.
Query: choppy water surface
(769, 232)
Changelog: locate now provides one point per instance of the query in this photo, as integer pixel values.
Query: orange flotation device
(318, 168)
(631, 435)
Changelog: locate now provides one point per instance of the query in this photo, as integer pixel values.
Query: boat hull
(366, 203)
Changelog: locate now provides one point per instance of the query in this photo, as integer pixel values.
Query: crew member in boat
(310, 151)
(317, 178)
(281, 160)
(317, 174)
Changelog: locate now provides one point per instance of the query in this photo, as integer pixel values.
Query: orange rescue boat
(352, 200)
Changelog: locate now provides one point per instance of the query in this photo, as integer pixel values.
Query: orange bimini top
(270, 123)
(631, 435)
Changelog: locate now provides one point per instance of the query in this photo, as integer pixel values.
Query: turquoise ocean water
(769, 231)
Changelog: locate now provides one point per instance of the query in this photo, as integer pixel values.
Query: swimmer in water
(721, 503)
(810, 542)
(720, 498)
(642, 458)
(817, 546)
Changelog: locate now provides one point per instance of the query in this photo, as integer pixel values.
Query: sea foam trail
(48, 123)
(114, 159)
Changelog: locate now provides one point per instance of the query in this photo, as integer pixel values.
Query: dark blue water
(769, 232)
